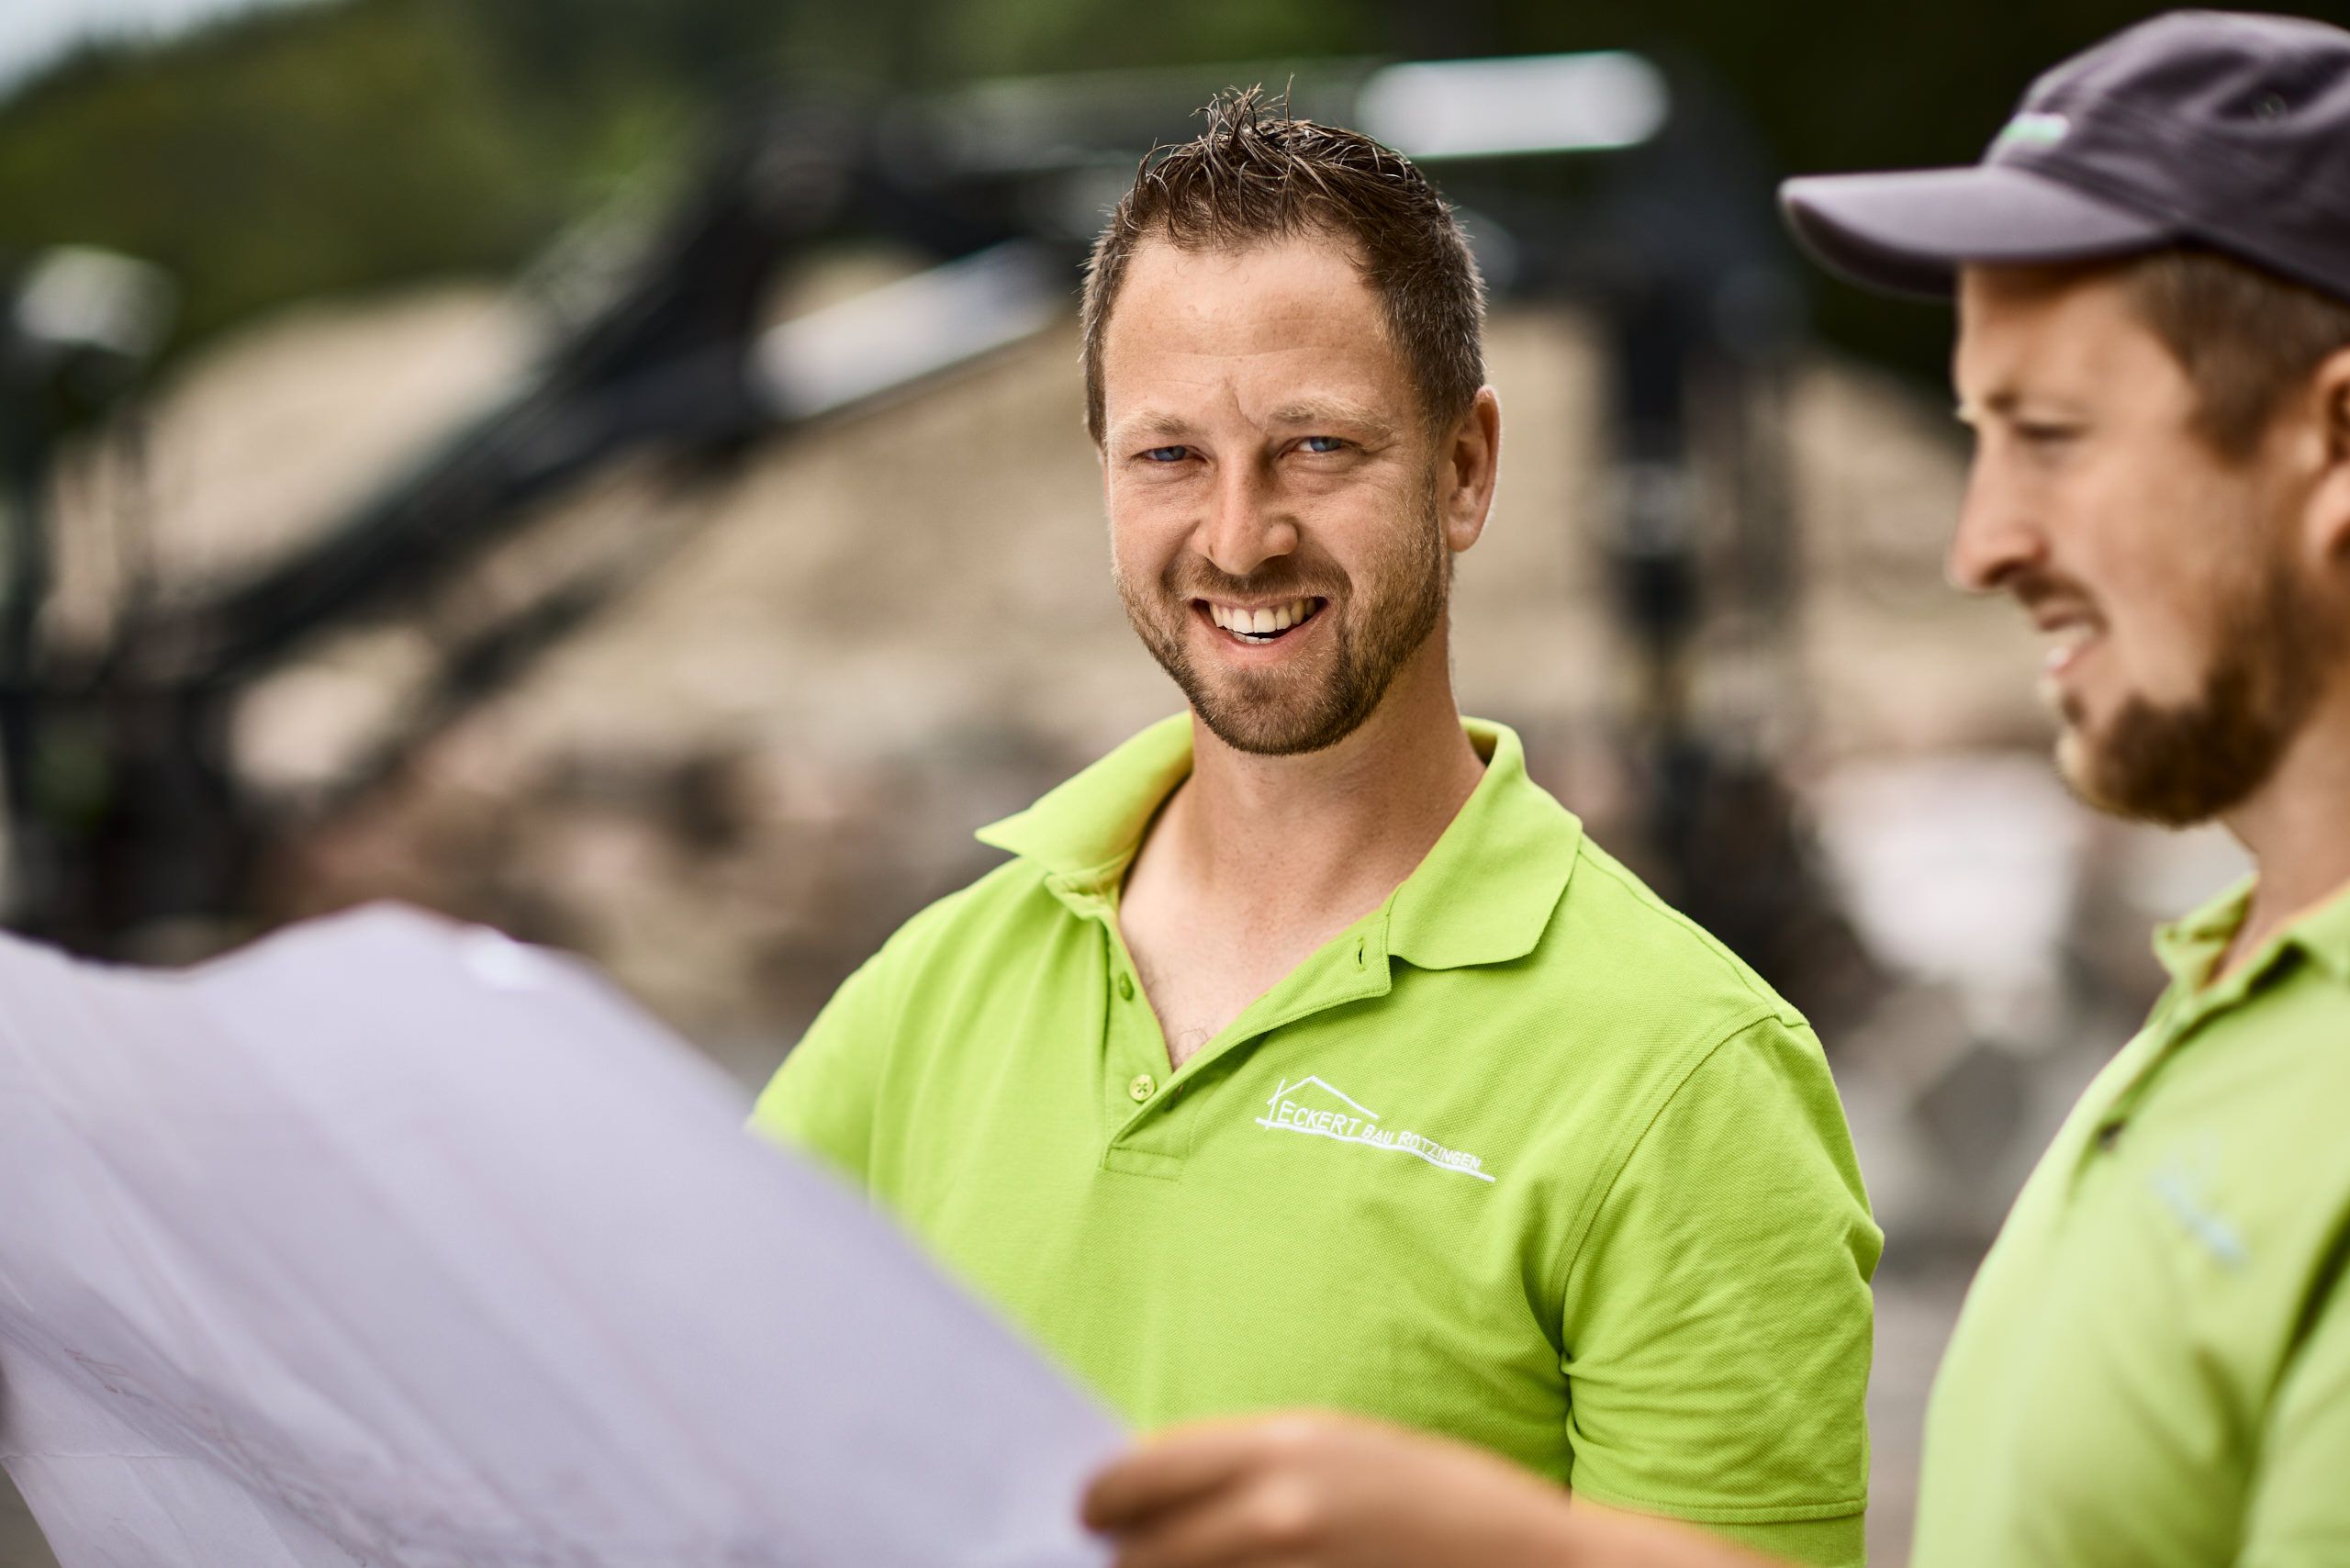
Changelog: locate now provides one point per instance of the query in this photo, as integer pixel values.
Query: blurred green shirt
(1523, 1156)
(2154, 1365)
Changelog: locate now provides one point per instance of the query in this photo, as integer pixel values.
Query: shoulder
(1637, 1003)
(1619, 946)
(823, 1092)
(1007, 890)
(1624, 1003)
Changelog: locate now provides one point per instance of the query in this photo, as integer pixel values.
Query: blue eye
(1167, 454)
(1321, 445)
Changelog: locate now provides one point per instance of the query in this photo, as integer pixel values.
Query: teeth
(2068, 640)
(1260, 622)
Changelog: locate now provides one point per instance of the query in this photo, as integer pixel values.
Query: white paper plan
(391, 1242)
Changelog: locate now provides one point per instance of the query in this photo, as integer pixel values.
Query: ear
(2327, 518)
(1467, 470)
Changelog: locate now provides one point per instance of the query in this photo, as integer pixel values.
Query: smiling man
(1307, 1052)
(2152, 268)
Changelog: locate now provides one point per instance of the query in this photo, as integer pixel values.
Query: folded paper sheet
(391, 1242)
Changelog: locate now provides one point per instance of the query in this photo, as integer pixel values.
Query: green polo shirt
(1522, 1156)
(2154, 1365)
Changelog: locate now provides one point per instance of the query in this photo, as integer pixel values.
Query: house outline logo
(2184, 1182)
(1356, 1123)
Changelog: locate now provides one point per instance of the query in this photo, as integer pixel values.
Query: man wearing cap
(1306, 1051)
(2151, 269)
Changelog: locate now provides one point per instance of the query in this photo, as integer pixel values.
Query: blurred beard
(1375, 628)
(2185, 764)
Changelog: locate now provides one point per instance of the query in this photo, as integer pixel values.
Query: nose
(1997, 536)
(1247, 523)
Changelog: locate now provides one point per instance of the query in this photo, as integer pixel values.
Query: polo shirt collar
(1483, 894)
(1486, 892)
(2190, 947)
(1083, 832)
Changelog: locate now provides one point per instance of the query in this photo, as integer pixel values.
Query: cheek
(1148, 527)
(1155, 498)
(2156, 633)
(1365, 516)
(2179, 567)
(1338, 488)
(2167, 634)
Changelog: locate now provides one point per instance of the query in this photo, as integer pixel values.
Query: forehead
(2071, 332)
(1268, 324)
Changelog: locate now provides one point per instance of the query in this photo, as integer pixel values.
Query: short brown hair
(2246, 337)
(1256, 176)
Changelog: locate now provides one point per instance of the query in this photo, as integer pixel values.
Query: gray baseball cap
(2205, 128)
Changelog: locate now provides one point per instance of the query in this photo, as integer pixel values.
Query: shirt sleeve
(2299, 1514)
(828, 1092)
(824, 1098)
(1717, 1318)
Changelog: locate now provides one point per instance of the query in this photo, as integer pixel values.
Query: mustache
(1200, 579)
(2032, 588)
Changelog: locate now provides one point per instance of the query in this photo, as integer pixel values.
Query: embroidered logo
(1313, 1107)
(2184, 1186)
(2034, 130)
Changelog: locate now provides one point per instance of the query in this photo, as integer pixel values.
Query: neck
(1298, 836)
(2297, 829)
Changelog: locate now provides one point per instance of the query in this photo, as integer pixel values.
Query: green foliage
(346, 143)
(292, 153)
(1016, 37)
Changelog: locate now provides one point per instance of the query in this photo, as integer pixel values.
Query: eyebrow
(1335, 411)
(1136, 426)
(2008, 403)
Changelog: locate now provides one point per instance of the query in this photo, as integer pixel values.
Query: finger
(1221, 1528)
(1176, 1467)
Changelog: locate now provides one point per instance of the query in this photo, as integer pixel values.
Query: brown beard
(1289, 713)
(2186, 763)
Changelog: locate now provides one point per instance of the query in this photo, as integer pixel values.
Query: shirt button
(1125, 988)
(1141, 1087)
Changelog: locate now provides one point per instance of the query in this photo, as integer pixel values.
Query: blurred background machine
(128, 812)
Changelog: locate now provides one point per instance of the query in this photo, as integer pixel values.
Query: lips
(2063, 613)
(2073, 631)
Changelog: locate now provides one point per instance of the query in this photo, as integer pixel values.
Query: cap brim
(1909, 233)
